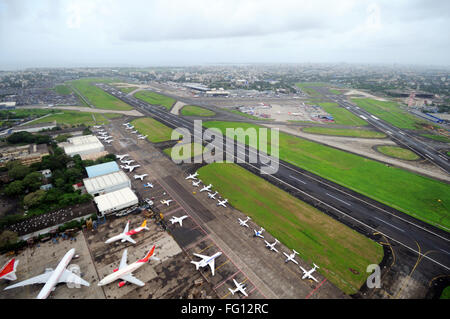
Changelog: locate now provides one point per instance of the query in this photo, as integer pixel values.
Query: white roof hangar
(82, 145)
(106, 183)
(116, 200)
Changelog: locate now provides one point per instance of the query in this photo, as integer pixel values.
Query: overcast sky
(40, 33)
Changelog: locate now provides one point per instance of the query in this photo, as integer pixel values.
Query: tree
(8, 237)
(34, 199)
(18, 172)
(14, 188)
(33, 181)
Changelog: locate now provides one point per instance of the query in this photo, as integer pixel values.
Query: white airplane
(196, 183)
(142, 137)
(222, 203)
(308, 273)
(53, 277)
(130, 127)
(244, 222)
(179, 220)
(126, 124)
(130, 168)
(271, 246)
(258, 233)
(109, 141)
(141, 177)
(148, 185)
(212, 196)
(239, 287)
(206, 261)
(97, 126)
(192, 176)
(291, 257)
(134, 132)
(206, 188)
(105, 137)
(8, 271)
(124, 272)
(126, 235)
(127, 162)
(166, 202)
(102, 134)
(121, 157)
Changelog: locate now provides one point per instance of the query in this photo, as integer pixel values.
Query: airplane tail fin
(144, 224)
(295, 251)
(316, 266)
(231, 290)
(149, 254)
(9, 270)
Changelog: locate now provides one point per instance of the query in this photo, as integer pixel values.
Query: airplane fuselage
(121, 272)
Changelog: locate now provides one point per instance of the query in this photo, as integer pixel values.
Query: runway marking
(210, 274)
(298, 180)
(197, 241)
(205, 248)
(339, 199)
(221, 283)
(389, 224)
(310, 294)
(444, 251)
(429, 156)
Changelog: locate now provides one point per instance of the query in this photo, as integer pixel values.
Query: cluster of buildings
(26, 154)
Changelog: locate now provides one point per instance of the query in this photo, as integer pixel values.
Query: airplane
(291, 257)
(244, 222)
(192, 176)
(272, 246)
(128, 162)
(134, 132)
(130, 127)
(206, 188)
(97, 126)
(222, 203)
(130, 168)
(141, 177)
(126, 235)
(166, 202)
(51, 277)
(179, 220)
(124, 272)
(109, 141)
(148, 185)
(239, 287)
(212, 196)
(258, 233)
(196, 183)
(308, 274)
(121, 157)
(8, 271)
(142, 137)
(206, 260)
(102, 134)
(126, 124)
(105, 137)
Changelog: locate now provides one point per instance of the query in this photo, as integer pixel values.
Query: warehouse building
(115, 201)
(82, 145)
(102, 169)
(103, 184)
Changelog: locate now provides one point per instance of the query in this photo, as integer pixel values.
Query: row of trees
(28, 138)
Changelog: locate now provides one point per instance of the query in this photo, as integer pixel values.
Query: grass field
(335, 91)
(76, 118)
(341, 115)
(317, 237)
(156, 132)
(445, 293)
(192, 110)
(155, 99)
(389, 112)
(411, 193)
(21, 113)
(398, 152)
(97, 96)
(439, 138)
(127, 89)
(306, 87)
(178, 151)
(63, 89)
(344, 132)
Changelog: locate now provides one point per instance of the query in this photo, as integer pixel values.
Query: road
(365, 215)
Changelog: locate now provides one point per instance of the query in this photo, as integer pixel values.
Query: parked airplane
(166, 202)
(192, 176)
(206, 261)
(124, 272)
(53, 277)
(244, 222)
(129, 127)
(130, 168)
(179, 220)
(105, 137)
(127, 162)
(239, 287)
(291, 257)
(8, 271)
(126, 235)
(142, 137)
(308, 273)
(126, 124)
(222, 203)
(121, 157)
(196, 183)
(271, 246)
(102, 133)
(134, 132)
(141, 177)
(212, 196)
(109, 141)
(258, 233)
(148, 185)
(206, 188)
(97, 126)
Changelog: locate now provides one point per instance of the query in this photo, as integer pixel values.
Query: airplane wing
(273, 248)
(123, 261)
(201, 256)
(70, 277)
(40, 279)
(211, 265)
(311, 277)
(128, 238)
(303, 269)
(131, 279)
(294, 261)
(241, 289)
(126, 227)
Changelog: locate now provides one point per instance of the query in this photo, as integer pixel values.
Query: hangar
(115, 201)
(102, 169)
(106, 183)
(82, 145)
